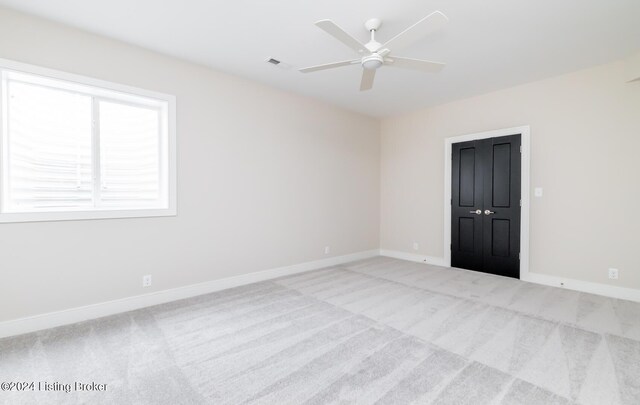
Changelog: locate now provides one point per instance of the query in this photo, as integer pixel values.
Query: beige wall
(265, 179)
(585, 138)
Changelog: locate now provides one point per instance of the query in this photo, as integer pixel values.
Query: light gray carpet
(378, 331)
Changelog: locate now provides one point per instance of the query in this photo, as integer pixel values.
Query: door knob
(487, 212)
(477, 212)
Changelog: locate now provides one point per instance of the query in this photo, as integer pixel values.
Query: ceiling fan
(377, 54)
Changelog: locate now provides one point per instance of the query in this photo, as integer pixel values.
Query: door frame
(525, 162)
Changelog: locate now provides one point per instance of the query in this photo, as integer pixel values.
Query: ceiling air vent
(273, 61)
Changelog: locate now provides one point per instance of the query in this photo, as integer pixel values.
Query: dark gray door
(485, 205)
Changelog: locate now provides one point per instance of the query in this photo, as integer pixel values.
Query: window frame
(116, 93)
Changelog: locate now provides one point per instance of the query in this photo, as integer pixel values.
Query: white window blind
(129, 155)
(68, 146)
(48, 148)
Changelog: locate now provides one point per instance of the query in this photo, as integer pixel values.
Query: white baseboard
(73, 315)
(607, 290)
(412, 257)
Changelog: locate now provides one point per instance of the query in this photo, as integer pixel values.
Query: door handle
(487, 212)
(477, 212)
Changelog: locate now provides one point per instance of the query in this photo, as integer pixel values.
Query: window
(79, 148)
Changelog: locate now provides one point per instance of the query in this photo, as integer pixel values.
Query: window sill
(85, 215)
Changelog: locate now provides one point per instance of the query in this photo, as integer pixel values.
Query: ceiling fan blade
(415, 64)
(427, 25)
(341, 35)
(329, 66)
(367, 79)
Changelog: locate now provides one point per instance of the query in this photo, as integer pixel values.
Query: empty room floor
(380, 331)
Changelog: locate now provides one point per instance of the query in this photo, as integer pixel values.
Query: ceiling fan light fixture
(372, 62)
(376, 53)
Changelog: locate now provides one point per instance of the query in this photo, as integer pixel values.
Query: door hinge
(521, 203)
(518, 255)
(450, 246)
(520, 148)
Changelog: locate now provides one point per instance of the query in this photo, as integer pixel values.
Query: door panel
(501, 175)
(467, 176)
(502, 197)
(500, 237)
(486, 176)
(466, 227)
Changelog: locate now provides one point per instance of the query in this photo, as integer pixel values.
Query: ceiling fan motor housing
(372, 62)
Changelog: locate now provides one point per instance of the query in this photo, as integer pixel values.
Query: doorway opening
(487, 202)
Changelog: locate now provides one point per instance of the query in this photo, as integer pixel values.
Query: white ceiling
(487, 45)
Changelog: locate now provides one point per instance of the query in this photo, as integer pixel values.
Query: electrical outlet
(327, 250)
(146, 280)
(416, 246)
(613, 274)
